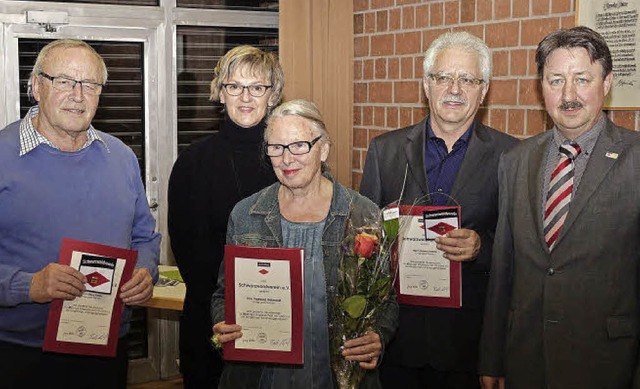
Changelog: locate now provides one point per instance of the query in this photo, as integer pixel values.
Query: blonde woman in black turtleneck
(207, 180)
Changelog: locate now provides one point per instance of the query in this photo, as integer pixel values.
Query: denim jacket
(255, 221)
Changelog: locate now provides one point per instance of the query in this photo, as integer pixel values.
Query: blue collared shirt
(441, 165)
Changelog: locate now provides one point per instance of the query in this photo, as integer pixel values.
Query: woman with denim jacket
(307, 209)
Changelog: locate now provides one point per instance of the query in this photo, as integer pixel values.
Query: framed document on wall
(617, 21)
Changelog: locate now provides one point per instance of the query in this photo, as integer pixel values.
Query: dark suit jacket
(446, 339)
(569, 318)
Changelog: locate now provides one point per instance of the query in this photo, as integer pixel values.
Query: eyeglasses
(65, 84)
(296, 148)
(463, 81)
(254, 90)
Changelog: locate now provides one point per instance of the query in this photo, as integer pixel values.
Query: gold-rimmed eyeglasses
(66, 84)
(463, 80)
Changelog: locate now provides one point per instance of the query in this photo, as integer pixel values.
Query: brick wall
(391, 35)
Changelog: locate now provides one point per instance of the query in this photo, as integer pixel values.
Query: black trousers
(426, 377)
(29, 367)
(200, 364)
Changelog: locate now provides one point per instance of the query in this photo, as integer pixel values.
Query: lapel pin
(611, 155)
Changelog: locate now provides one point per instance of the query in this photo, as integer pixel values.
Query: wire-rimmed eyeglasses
(256, 90)
(66, 84)
(463, 80)
(296, 148)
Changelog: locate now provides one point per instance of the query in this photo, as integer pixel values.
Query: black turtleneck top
(207, 180)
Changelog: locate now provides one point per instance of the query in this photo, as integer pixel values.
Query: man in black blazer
(563, 304)
(447, 159)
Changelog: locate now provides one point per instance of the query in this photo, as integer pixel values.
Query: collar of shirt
(462, 141)
(30, 138)
(586, 141)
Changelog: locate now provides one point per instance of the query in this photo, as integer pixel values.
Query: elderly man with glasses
(62, 178)
(449, 158)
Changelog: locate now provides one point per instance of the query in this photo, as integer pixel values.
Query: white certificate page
(422, 270)
(263, 304)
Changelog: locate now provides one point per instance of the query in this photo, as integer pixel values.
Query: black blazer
(446, 339)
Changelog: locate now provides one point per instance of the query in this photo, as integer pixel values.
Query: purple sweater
(46, 195)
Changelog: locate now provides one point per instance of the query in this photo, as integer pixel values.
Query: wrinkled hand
(487, 382)
(139, 288)
(226, 332)
(56, 281)
(459, 245)
(365, 349)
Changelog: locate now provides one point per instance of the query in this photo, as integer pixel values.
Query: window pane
(255, 5)
(119, 2)
(121, 111)
(199, 49)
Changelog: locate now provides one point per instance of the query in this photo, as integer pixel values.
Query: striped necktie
(560, 190)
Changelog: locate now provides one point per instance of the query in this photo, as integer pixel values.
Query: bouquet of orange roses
(364, 284)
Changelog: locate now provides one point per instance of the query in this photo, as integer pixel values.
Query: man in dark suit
(447, 159)
(563, 300)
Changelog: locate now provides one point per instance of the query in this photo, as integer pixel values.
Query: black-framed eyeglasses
(463, 80)
(66, 84)
(256, 90)
(296, 148)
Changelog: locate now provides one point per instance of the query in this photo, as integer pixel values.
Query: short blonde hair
(257, 62)
(67, 44)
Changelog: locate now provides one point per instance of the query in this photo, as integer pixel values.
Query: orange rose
(365, 244)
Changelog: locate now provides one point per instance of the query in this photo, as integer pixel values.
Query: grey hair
(459, 40)
(305, 109)
(67, 44)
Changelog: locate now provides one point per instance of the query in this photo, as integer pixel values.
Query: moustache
(566, 105)
(454, 99)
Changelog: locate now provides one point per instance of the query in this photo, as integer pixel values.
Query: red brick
(373, 133)
(474, 29)
(422, 16)
(502, 9)
(561, 6)
(395, 19)
(500, 63)
(408, 18)
(518, 61)
(380, 67)
(355, 160)
(540, 7)
(358, 24)
(451, 13)
(357, 69)
(483, 115)
(533, 67)
(429, 36)
(484, 9)
(357, 115)
(520, 8)
(361, 46)
(367, 115)
(467, 11)
(356, 177)
(360, 90)
(419, 113)
(534, 30)
(516, 122)
(393, 68)
(360, 137)
(367, 69)
(535, 121)
(406, 91)
(626, 119)
(498, 119)
(360, 5)
(406, 117)
(502, 34)
(382, 44)
(380, 92)
(392, 117)
(378, 116)
(401, 2)
(417, 66)
(435, 14)
(381, 21)
(376, 4)
(502, 92)
(406, 68)
(530, 92)
(369, 22)
(567, 21)
(408, 43)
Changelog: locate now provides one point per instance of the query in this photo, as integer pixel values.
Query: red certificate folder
(260, 260)
(97, 283)
(455, 296)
